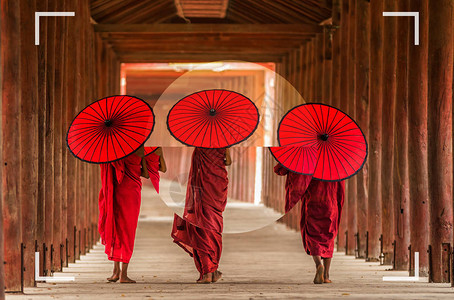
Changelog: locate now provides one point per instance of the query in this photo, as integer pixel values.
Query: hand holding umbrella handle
(228, 159)
(162, 161)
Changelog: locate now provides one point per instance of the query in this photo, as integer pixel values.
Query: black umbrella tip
(323, 137)
(108, 123)
(212, 112)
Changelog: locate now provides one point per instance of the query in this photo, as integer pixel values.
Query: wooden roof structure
(202, 30)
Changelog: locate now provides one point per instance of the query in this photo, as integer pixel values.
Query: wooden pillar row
(440, 132)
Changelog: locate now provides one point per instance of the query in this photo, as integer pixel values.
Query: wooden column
(327, 65)
(71, 92)
(299, 68)
(303, 68)
(351, 110)
(417, 130)
(311, 90)
(308, 72)
(401, 184)
(440, 130)
(335, 75)
(28, 182)
(2, 270)
(49, 138)
(64, 127)
(319, 56)
(362, 112)
(388, 100)
(83, 103)
(42, 79)
(343, 227)
(57, 128)
(10, 61)
(374, 214)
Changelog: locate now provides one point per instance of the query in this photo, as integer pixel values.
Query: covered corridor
(344, 53)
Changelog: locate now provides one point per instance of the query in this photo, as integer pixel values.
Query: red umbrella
(339, 142)
(213, 119)
(110, 129)
(301, 160)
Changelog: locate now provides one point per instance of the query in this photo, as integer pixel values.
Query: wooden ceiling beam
(207, 47)
(127, 8)
(145, 51)
(206, 37)
(236, 50)
(196, 57)
(149, 15)
(210, 28)
(261, 13)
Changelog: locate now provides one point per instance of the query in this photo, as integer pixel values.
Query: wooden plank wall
(49, 198)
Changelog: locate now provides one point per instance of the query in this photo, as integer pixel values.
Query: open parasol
(110, 129)
(213, 119)
(335, 138)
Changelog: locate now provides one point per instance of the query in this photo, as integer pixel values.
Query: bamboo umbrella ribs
(302, 160)
(110, 129)
(213, 119)
(322, 141)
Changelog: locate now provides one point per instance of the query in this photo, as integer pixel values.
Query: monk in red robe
(320, 215)
(119, 207)
(199, 232)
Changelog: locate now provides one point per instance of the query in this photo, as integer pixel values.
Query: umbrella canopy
(213, 119)
(110, 129)
(149, 150)
(301, 160)
(339, 143)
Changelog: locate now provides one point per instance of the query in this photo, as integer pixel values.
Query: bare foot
(126, 280)
(114, 277)
(326, 280)
(206, 278)
(319, 275)
(217, 275)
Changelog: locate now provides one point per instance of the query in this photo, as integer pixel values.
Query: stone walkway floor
(268, 263)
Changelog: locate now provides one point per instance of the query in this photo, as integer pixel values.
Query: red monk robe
(153, 167)
(119, 203)
(320, 213)
(199, 232)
